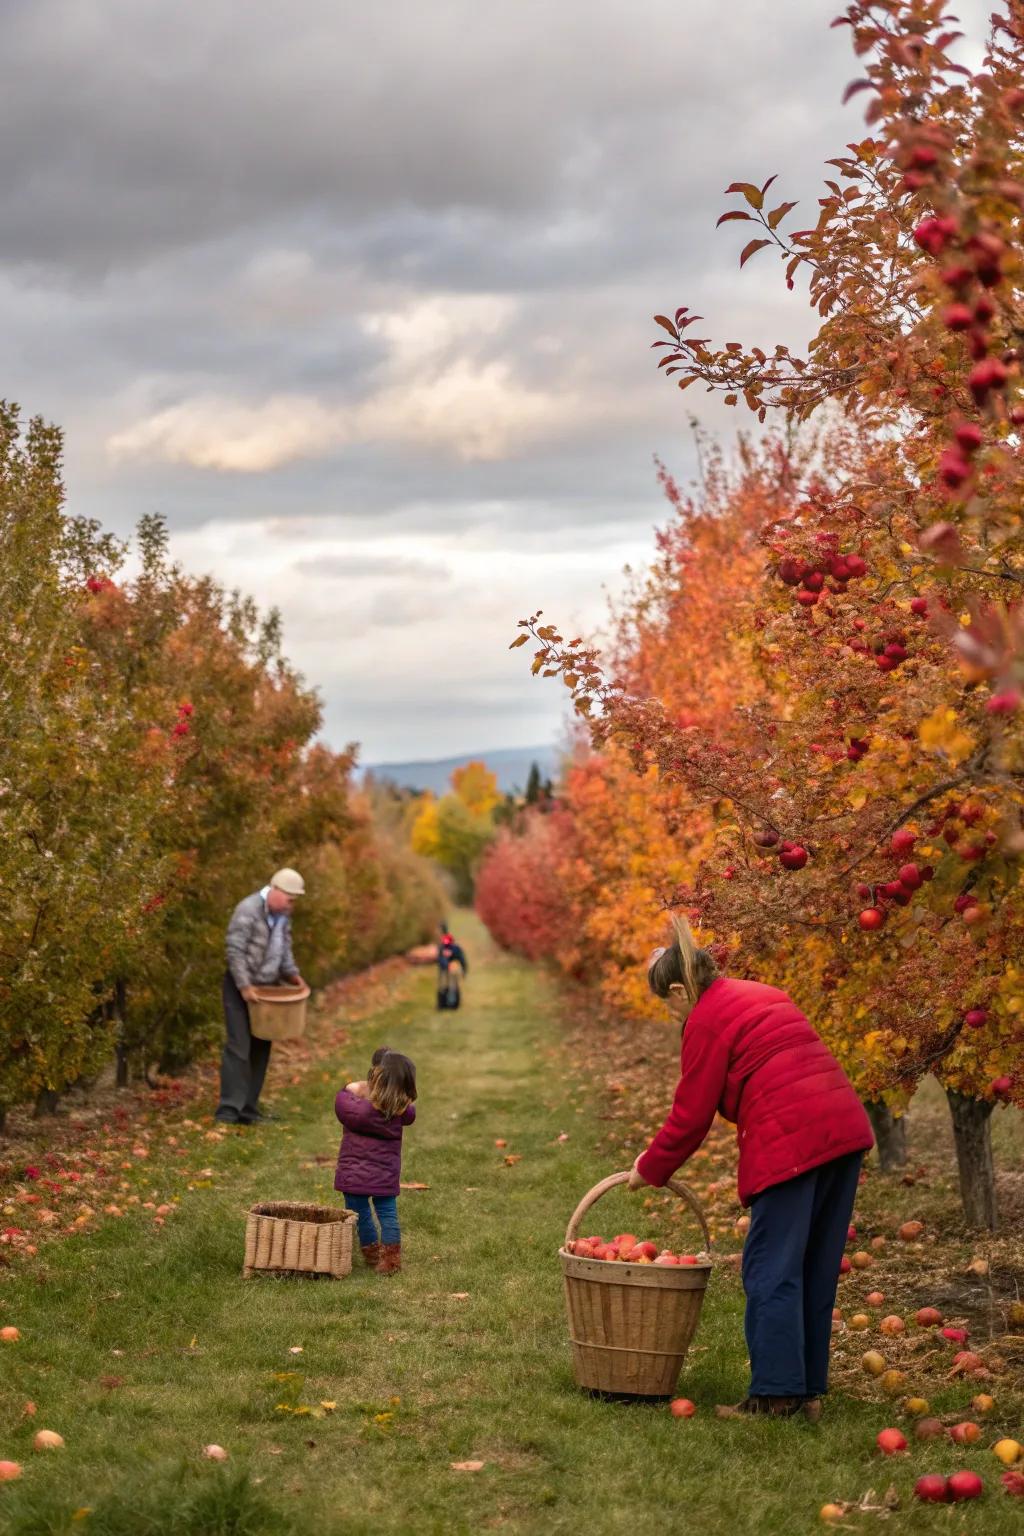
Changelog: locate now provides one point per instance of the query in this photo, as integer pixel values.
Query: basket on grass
(630, 1325)
(286, 1238)
(279, 1013)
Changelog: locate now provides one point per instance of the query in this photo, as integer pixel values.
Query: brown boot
(774, 1407)
(371, 1254)
(390, 1259)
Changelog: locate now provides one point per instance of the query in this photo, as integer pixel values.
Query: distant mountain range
(510, 764)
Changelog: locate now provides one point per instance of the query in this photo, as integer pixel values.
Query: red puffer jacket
(750, 1055)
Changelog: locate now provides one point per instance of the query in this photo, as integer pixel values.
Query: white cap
(289, 881)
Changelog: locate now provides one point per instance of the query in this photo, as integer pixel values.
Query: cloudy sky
(359, 297)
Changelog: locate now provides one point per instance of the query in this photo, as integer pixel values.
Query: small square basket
(283, 1237)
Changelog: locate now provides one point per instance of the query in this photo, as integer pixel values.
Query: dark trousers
(243, 1066)
(791, 1264)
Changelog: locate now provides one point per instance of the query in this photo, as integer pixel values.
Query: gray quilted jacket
(249, 938)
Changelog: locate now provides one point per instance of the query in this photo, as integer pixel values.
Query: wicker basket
(630, 1325)
(279, 1013)
(286, 1238)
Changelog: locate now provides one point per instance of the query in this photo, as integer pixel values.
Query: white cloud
(433, 391)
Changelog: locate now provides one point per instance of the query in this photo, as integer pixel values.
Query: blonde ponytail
(683, 964)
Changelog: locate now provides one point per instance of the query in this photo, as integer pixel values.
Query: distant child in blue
(374, 1114)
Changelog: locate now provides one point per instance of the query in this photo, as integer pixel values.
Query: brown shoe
(390, 1259)
(371, 1254)
(774, 1407)
(813, 1409)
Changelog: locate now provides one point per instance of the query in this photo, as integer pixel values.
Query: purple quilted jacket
(370, 1158)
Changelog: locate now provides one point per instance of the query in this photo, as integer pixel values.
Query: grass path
(142, 1346)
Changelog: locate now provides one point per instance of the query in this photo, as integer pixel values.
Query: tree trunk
(119, 1011)
(3, 1118)
(890, 1136)
(47, 1100)
(973, 1133)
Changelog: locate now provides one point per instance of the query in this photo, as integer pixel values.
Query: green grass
(486, 1377)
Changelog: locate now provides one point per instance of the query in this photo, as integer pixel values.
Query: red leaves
(751, 249)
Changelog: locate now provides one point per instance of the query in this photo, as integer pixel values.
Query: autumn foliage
(820, 684)
(157, 764)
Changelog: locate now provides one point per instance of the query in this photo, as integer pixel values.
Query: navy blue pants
(386, 1209)
(791, 1264)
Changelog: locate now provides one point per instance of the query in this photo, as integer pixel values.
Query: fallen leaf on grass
(458, 1295)
(414, 1186)
(296, 1349)
(513, 1158)
(467, 1466)
(110, 1382)
(29, 1410)
(328, 1407)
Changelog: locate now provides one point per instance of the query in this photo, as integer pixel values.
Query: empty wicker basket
(630, 1325)
(285, 1238)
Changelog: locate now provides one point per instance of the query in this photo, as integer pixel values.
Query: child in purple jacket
(374, 1114)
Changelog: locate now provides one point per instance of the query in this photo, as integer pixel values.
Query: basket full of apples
(633, 1307)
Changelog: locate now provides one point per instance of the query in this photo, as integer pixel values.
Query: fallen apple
(9, 1470)
(917, 1407)
(964, 1485)
(929, 1429)
(928, 1317)
(682, 1408)
(9, 1335)
(861, 1260)
(983, 1403)
(891, 1442)
(874, 1299)
(967, 1433)
(955, 1335)
(1008, 1451)
(48, 1440)
(859, 1321)
(1013, 1484)
(215, 1453)
(830, 1512)
(931, 1489)
(743, 1225)
(1015, 1314)
(844, 1265)
(892, 1325)
(873, 1362)
(910, 1231)
(892, 1382)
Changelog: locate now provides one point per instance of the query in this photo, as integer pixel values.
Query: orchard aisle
(140, 1347)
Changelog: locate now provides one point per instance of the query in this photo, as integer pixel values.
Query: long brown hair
(682, 964)
(392, 1084)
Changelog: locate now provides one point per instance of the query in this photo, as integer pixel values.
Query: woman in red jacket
(749, 1054)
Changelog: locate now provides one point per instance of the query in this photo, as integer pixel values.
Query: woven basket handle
(612, 1182)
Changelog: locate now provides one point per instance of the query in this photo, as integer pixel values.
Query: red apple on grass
(931, 1489)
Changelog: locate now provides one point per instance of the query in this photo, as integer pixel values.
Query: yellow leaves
(858, 797)
(942, 732)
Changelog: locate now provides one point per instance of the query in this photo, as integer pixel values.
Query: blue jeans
(386, 1209)
(791, 1264)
